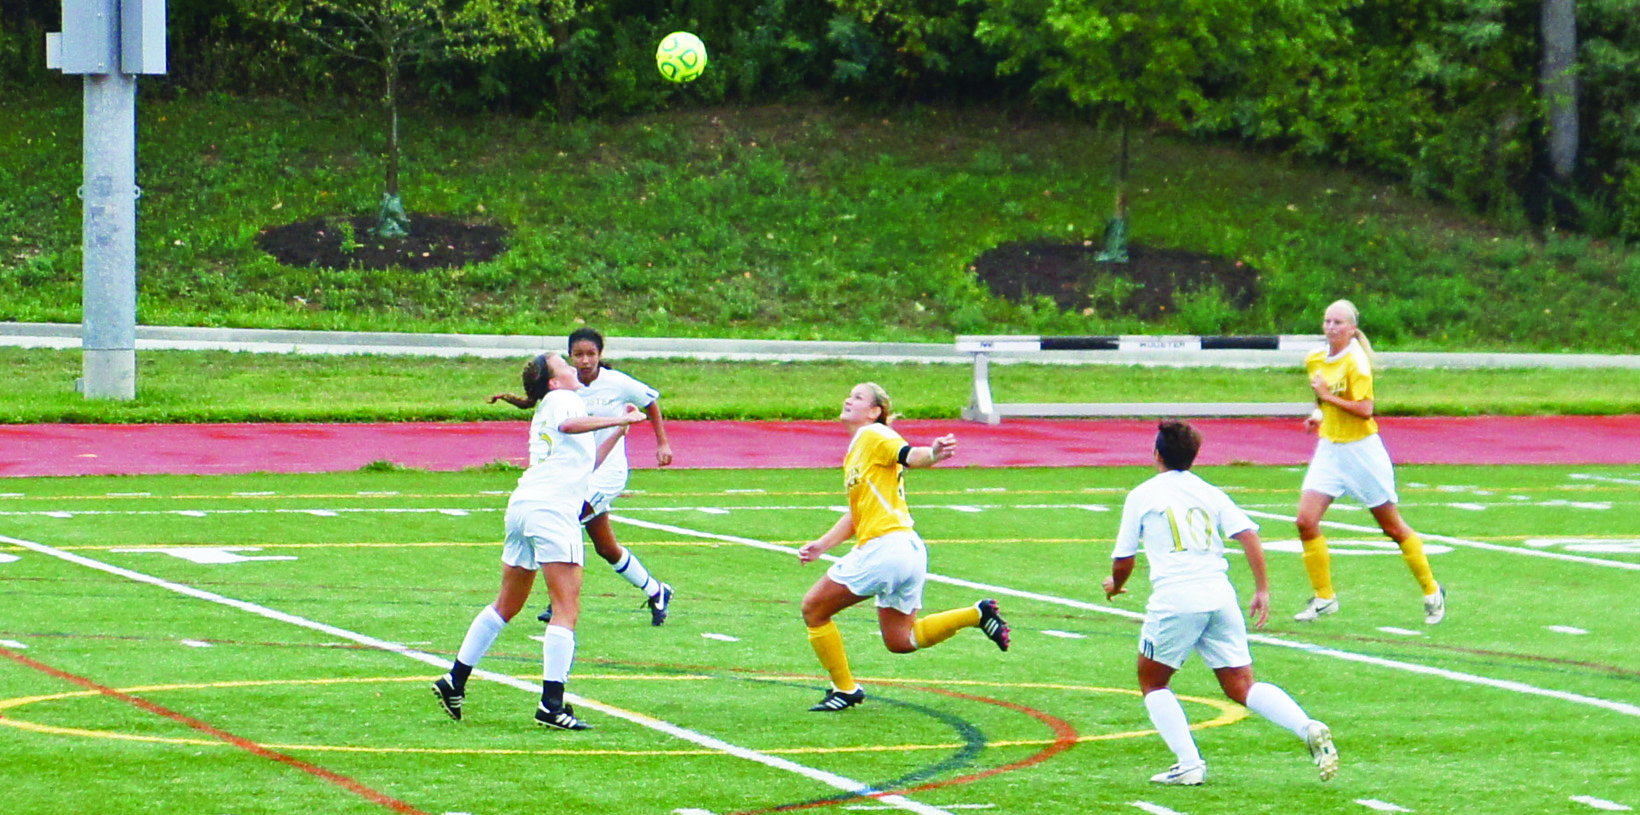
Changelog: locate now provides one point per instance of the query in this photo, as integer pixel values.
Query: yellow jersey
(875, 481)
(1348, 376)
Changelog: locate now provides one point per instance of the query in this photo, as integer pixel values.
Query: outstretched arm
(941, 449)
(839, 532)
(588, 424)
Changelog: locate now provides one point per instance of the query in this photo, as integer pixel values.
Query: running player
(889, 562)
(609, 392)
(542, 535)
(1181, 522)
(1350, 458)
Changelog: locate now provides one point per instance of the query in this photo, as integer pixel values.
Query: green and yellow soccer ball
(681, 57)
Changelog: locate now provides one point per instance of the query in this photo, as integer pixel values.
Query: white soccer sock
(1168, 716)
(636, 574)
(480, 636)
(557, 653)
(1274, 704)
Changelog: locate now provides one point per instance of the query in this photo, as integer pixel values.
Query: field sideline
(261, 644)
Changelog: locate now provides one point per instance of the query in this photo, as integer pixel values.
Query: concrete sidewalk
(281, 341)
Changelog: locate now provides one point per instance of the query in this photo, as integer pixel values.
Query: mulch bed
(1068, 273)
(435, 242)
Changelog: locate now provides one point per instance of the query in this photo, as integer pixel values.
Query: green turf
(218, 386)
(410, 557)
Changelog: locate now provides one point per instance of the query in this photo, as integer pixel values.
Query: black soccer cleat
(659, 605)
(560, 719)
(545, 616)
(449, 697)
(992, 623)
(837, 700)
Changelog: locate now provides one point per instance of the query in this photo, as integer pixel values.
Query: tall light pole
(109, 42)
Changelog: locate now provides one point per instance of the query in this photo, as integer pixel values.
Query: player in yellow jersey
(889, 562)
(1350, 458)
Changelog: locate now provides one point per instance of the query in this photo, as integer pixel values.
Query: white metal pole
(109, 199)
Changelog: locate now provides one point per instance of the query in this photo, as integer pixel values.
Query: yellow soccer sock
(1412, 551)
(828, 646)
(937, 628)
(1319, 565)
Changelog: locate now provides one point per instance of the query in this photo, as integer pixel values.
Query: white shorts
(597, 504)
(890, 567)
(1219, 636)
(1360, 468)
(540, 533)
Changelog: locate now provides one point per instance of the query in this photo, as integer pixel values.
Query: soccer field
(253, 645)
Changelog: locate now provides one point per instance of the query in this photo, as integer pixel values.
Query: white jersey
(608, 395)
(1181, 522)
(560, 463)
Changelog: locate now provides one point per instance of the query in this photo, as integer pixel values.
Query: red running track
(208, 449)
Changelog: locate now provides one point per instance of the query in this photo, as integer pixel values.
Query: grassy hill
(780, 222)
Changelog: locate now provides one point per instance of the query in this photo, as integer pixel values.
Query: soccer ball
(681, 57)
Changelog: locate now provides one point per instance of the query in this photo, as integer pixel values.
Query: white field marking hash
(1566, 629)
(712, 510)
(869, 808)
(1381, 806)
(827, 778)
(129, 494)
(454, 513)
(963, 508)
(1468, 506)
(1608, 546)
(195, 643)
(1064, 635)
(1601, 803)
(13, 495)
(1606, 478)
(255, 494)
(6, 557)
(690, 811)
(1490, 547)
(13, 644)
(1155, 809)
(719, 637)
(206, 555)
(753, 491)
(1394, 664)
(1404, 632)
(986, 489)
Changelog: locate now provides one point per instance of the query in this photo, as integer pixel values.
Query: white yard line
(829, 779)
(1490, 547)
(1395, 664)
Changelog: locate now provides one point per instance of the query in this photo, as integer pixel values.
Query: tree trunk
(568, 88)
(392, 102)
(1558, 82)
(1116, 229)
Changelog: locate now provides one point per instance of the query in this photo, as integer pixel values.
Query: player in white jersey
(542, 535)
(609, 392)
(1181, 522)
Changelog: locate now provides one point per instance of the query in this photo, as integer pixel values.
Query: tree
(393, 35)
(1245, 66)
(1560, 84)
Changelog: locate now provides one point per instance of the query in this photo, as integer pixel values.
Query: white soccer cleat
(1180, 775)
(1435, 606)
(1318, 738)
(1316, 609)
